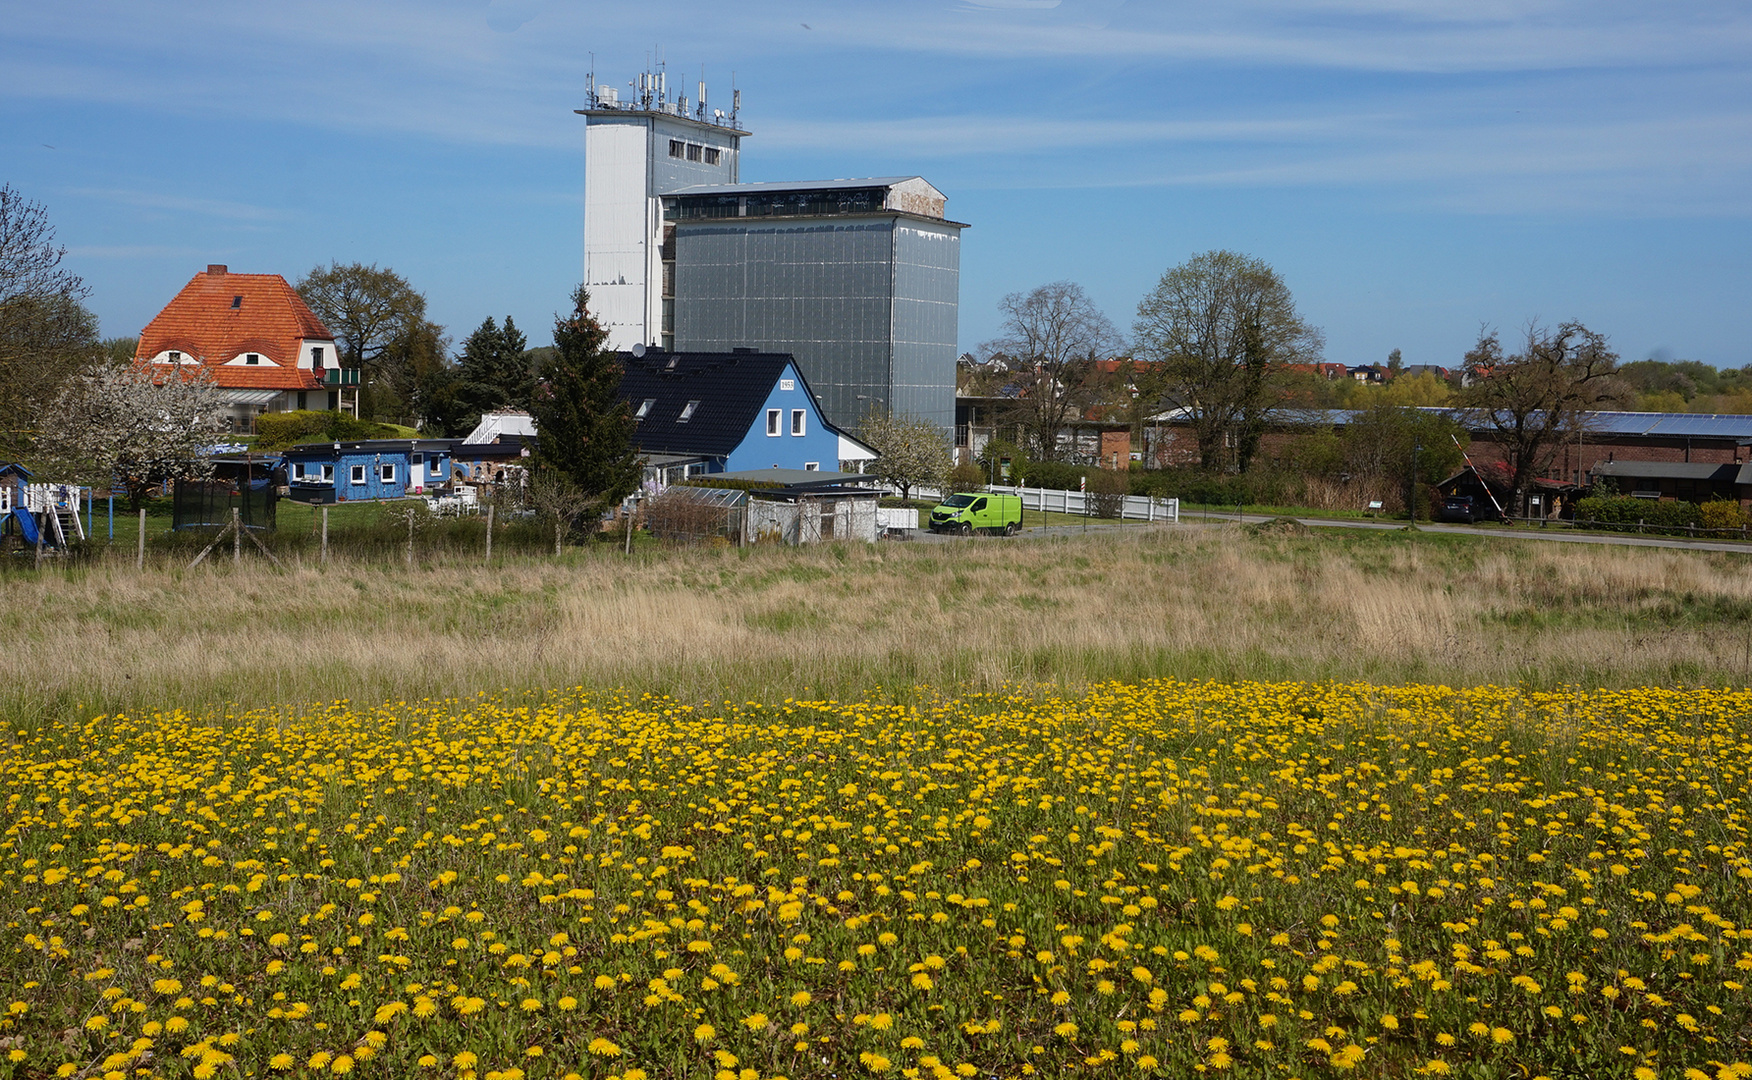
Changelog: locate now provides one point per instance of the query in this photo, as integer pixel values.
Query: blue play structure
(40, 515)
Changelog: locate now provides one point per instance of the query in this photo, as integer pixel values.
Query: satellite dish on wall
(638, 348)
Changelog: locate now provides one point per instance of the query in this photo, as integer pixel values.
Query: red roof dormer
(220, 316)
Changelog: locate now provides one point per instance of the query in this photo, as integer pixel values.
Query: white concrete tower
(635, 151)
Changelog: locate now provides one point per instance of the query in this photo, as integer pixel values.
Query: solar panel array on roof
(1654, 425)
(1719, 426)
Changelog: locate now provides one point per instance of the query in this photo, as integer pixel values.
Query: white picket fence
(1135, 507)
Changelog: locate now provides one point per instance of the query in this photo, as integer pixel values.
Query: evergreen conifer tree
(585, 429)
(494, 367)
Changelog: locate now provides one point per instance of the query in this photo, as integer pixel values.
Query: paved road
(1197, 520)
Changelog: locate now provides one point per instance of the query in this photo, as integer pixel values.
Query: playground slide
(26, 524)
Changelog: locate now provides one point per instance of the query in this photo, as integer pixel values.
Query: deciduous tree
(585, 430)
(135, 426)
(1222, 325)
(46, 335)
(380, 321)
(554, 497)
(1539, 397)
(910, 451)
(1054, 333)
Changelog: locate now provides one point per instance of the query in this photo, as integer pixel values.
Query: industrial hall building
(857, 280)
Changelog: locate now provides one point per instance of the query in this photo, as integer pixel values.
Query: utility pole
(1411, 495)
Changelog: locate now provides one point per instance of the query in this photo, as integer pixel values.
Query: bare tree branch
(1057, 333)
(1537, 398)
(1222, 325)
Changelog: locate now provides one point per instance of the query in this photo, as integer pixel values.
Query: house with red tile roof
(263, 347)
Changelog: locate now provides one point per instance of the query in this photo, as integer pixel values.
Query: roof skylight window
(687, 412)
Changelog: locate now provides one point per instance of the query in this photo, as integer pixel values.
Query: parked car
(967, 513)
(1461, 508)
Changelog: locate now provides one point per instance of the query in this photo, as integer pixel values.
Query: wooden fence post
(140, 543)
(325, 535)
(489, 559)
(236, 537)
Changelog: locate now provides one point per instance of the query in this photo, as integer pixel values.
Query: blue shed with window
(733, 411)
(366, 471)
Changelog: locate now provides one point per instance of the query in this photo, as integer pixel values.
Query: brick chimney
(216, 269)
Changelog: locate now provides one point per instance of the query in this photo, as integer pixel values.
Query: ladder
(68, 524)
(56, 510)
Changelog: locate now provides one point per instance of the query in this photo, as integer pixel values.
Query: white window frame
(812, 466)
(687, 411)
(773, 422)
(252, 359)
(799, 422)
(434, 466)
(644, 408)
(386, 472)
(357, 475)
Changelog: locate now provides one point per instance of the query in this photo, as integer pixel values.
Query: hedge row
(276, 431)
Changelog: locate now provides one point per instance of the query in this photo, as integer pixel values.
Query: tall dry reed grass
(844, 621)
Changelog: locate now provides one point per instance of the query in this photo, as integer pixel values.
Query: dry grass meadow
(846, 622)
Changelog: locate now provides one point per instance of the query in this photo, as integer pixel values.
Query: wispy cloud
(139, 251)
(948, 136)
(1000, 91)
(206, 208)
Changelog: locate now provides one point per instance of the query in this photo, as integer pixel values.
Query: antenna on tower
(590, 90)
(735, 100)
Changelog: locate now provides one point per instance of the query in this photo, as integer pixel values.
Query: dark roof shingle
(730, 389)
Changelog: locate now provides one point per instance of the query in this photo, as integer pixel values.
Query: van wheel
(966, 529)
(1012, 528)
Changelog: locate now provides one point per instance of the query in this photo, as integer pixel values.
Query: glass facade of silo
(866, 304)
(927, 293)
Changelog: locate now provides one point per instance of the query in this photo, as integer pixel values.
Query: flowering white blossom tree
(910, 451)
(134, 426)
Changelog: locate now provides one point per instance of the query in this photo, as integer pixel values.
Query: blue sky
(1413, 169)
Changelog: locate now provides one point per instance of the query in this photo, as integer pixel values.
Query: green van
(974, 511)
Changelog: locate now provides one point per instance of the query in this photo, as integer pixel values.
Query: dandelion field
(1158, 878)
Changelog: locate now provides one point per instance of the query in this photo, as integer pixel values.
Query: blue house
(731, 412)
(370, 470)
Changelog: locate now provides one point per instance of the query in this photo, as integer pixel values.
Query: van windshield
(958, 500)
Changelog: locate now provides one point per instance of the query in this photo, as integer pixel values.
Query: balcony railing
(337, 377)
